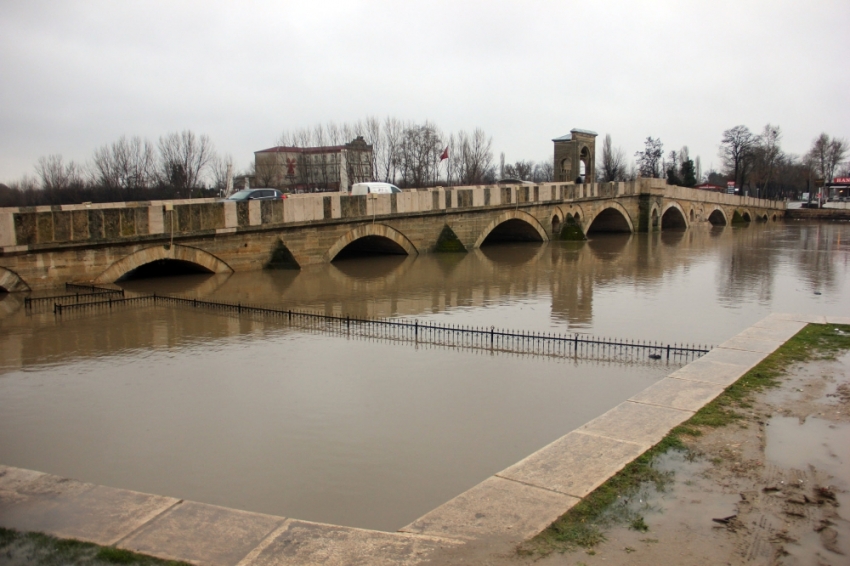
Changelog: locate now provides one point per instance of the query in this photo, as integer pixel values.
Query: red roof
(710, 187)
(284, 149)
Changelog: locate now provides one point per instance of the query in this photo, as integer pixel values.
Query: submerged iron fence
(535, 343)
(91, 288)
(92, 294)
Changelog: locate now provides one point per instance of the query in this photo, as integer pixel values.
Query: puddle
(816, 442)
(684, 500)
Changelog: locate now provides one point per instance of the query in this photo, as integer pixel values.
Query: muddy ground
(772, 488)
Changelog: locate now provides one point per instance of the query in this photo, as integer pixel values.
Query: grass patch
(584, 525)
(638, 524)
(571, 230)
(448, 242)
(44, 550)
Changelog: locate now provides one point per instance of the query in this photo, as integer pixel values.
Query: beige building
(575, 157)
(314, 169)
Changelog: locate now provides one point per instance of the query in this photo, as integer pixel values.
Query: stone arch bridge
(102, 243)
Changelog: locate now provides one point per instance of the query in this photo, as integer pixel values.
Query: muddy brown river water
(256, 415)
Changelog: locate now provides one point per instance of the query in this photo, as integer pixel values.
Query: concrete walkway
(516, 503)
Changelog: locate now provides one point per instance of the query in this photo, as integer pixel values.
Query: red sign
(730, 183)
(842, 180)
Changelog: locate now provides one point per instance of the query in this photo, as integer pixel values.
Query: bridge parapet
(34, 228)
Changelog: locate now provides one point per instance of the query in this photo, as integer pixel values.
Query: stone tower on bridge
(575, 157)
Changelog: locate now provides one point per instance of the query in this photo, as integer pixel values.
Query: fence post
(668, 352)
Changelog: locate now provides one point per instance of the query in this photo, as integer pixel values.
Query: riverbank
(770, 485)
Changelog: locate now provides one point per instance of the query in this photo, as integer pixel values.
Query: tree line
(411, 154)
(179, 165)
(752, 162)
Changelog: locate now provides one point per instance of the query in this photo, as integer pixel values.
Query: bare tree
(125, 164)
(420, 150)
(649, 160)
(373, 135)
(57, 175)
(522, 170)
(476, 157)
(389, 158)
(184, 158)
(736, 150)
(766, 152)
(613, 166)
(544, 171)
(825, 156)
(222, 170)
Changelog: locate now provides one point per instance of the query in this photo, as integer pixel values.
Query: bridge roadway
(43, 247)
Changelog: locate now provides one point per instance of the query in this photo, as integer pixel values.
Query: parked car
(257, 194)
(374, 188)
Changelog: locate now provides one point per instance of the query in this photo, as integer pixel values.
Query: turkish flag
(445, 154)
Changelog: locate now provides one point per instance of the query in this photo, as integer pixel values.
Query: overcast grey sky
(77, 75)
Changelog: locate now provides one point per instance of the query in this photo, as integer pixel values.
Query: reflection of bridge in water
(562, 280)
(48, 246)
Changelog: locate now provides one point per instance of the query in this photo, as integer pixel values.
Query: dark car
(256, 194)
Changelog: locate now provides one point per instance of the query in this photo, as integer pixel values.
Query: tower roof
(569, 137)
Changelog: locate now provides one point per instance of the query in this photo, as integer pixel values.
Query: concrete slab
(751, 344)
(771, 322)
(774, 331)
(837, 320)
(207, 534)
(710, 372)
(637, 423)
(495, 507)
(575, 464)
(687, 395)
(71, 509)
(732, 356)
(809, 318)
(300, 543)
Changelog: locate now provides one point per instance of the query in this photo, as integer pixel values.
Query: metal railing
(92, 294)
(525, 342)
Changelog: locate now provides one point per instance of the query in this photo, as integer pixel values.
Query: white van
(374, 188)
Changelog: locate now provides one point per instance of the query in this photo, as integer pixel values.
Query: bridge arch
(613, 218)
(717, 217)
(11, 282)
(396, 240)
(673, 217)
(517, 218)
(187, 254)
(557, 221)
(746, 216)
